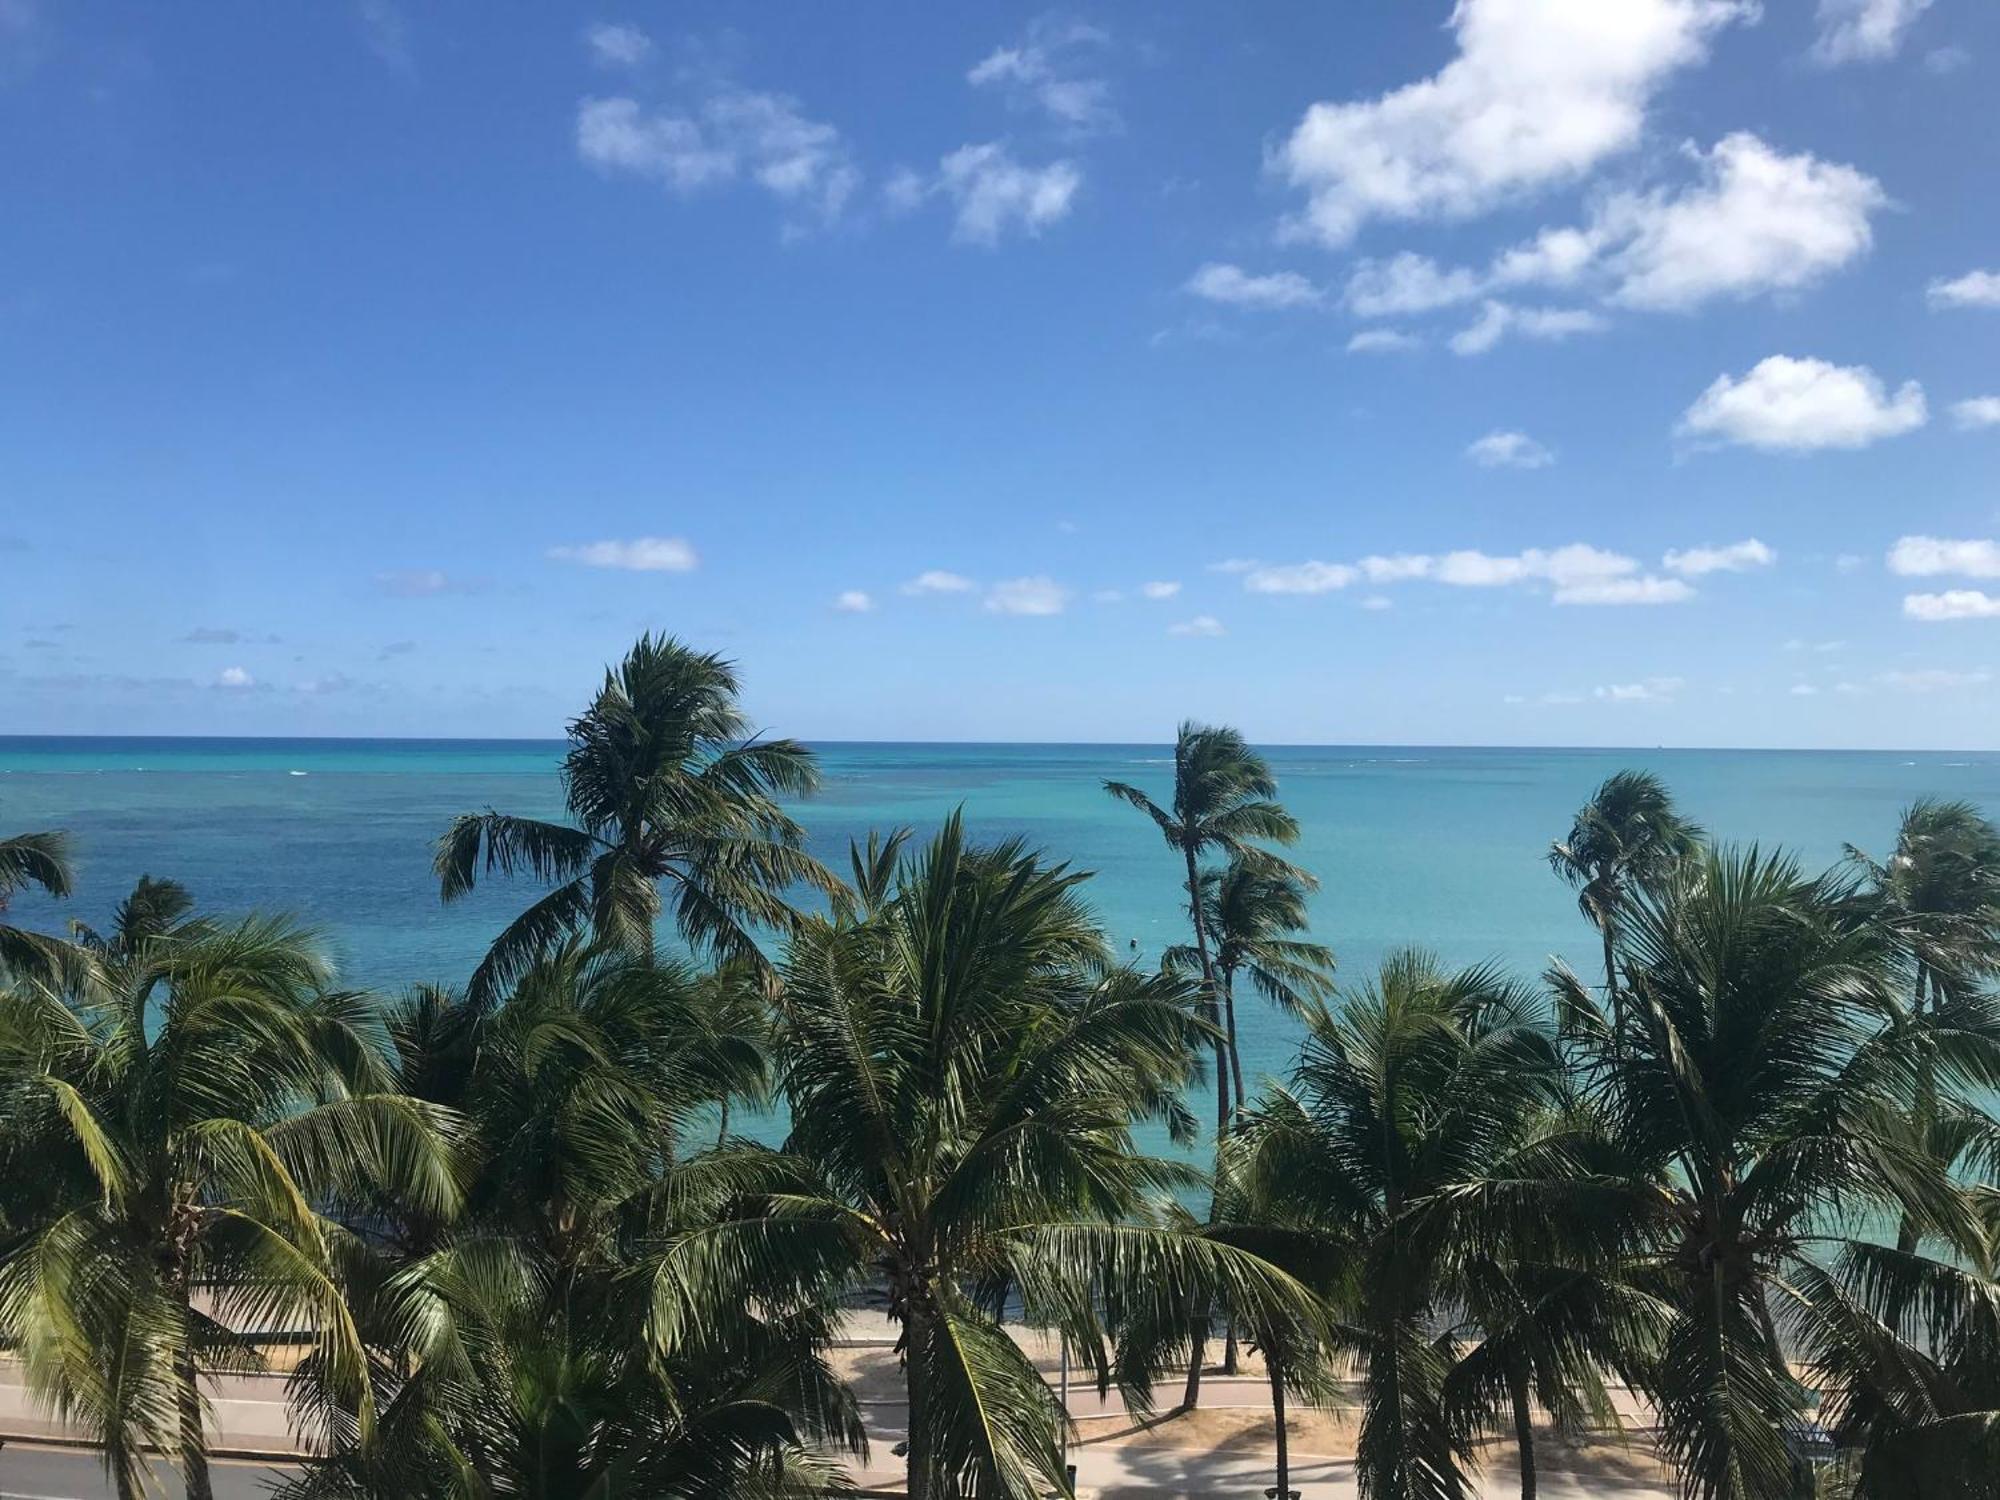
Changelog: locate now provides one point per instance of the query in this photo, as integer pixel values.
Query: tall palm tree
(1224, 801)
(1626, 838)
(39, 861)
(510, 1343)
(1759, 1094)
(1424, 1158)
(1251, 909)
(668, 786)
(171, 1136)
(963, 1070)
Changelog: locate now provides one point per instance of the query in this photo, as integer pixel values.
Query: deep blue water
(1442, 847)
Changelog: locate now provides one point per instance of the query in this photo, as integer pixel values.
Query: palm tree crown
(38, 861)
(669, 787)
(178, 1131)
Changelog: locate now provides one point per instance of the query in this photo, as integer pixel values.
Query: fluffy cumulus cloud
(1235, 287)
(1539, 93)
(1863, 30)
(1787, 405)
(1932, 556)
(235, 677)
(1978, 412)
(939, 581)
(1576, 574)
(1050, 71)
(731, 135)
(853, 602)
(1973, 289)
(1200, 625)
(1754, 222)
(644, 554)
(1509, 450)
(1737, 557)
(613, 45)
(1039, 595)
(1952, 604)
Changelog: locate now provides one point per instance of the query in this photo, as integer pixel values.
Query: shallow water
(1442, 847)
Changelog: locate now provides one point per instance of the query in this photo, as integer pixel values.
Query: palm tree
(1626, 838)
(167, 1139)
(962, 1070)
(1224, 799)
(1938, 896)
(1759, 1095)
(1424, 1158)
(1250, 909)
(512, 1342)
(667, 786)
(40, 861)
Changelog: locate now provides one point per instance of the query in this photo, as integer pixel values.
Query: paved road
(67, 1474)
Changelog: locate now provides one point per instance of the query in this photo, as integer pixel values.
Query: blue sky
(1539, 371)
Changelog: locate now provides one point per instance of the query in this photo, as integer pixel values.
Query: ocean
(1412, 845)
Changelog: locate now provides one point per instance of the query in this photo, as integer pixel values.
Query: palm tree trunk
(1198, 1314)
(1272, 1363)
(1524, 1433)
(1612, 997)
(917, 1395)
(194, 1440)
(1235, 1055)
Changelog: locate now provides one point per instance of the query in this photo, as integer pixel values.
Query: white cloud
(1216, 282)
(1620, 591)
(420, 583)
(617, 46)
(645, 554)
(235, 677)
(1498, 320)
(1233, 565)
(1737, 557)
(1202, 625)
(1934, 680)
(734, 133)
(853, 602)
(1383, 341)
(1038, 595)
(1973, 289)
(1398, 569)
(1803, 690)
(1979, 411)
(993, 193)
(1509, 450)
(387, 32)
(1107, 596)
(1540, 92)
(1756, 221)
(1048, 71)
(1952, 604)
(1161, 589)
(938, 581)
(1929, 556)
(1798, 405)
(1651, 690)
(1946, 59)
(1863, 30)
(1407, 283)
(1299, 578)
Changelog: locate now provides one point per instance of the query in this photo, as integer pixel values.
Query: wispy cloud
(1036, 595)
(1051, 71)
(853, 602)
(1235, 287)
(1736, 557)
(1200, 625)
(616, 45)
(645, 554)
(1509, 450)
(939, 581)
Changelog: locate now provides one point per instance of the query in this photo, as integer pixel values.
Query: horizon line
(809, 740)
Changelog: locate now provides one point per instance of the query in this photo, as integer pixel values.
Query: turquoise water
(1441, 847)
